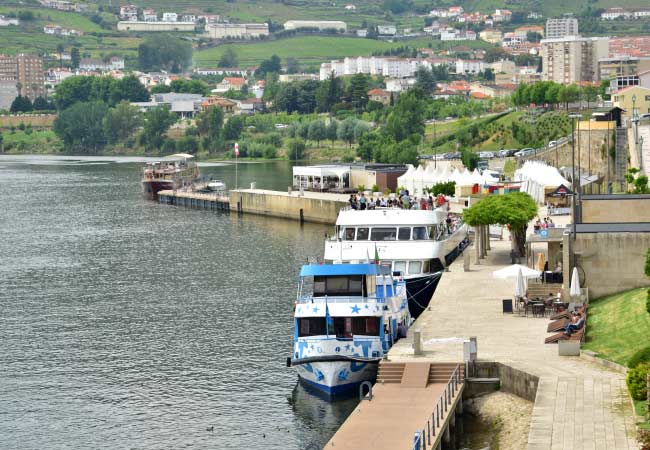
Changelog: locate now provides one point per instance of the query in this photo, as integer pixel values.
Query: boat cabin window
(348, 327)
(311, 326)
(425, 266)
(348, 234)
(400, 266)
(362, 234)
(343, 285)
(419, 233)
(415, 267)
(383, 234)
(404, 233)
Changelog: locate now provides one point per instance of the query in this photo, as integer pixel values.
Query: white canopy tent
(321, 178)
(536, 177)
(514, 270)
(416, 179)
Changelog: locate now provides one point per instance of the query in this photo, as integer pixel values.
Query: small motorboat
(216, 185)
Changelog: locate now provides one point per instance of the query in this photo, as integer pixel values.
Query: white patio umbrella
(574, 290)
(520, 285)
(514, 270)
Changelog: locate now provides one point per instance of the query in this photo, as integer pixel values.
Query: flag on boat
(376, 255)
(328, 319)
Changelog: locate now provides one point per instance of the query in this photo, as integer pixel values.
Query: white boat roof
(386, 217)
(321, 171)
(179, 156)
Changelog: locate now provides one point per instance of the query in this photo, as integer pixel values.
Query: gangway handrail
(428, 433)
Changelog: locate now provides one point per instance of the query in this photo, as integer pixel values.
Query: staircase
(541, 290)
(620, 161)
(644, 133)
(392, 372)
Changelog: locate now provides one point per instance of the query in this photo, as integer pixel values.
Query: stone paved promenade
(580, 405)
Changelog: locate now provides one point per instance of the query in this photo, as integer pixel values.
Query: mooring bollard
(417, 342)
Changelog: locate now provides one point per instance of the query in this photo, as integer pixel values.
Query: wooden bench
(557, 325)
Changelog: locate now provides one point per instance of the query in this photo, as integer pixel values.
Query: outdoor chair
(539, 309)
(575, 336)
(557, 325)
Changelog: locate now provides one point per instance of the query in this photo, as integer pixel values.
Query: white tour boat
(347, 317)
(417, 244)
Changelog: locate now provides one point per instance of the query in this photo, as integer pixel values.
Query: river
(128, 324)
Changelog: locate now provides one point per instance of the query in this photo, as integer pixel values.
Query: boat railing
(341, 299)
(426, 437)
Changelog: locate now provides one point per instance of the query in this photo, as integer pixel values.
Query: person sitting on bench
(570, 328)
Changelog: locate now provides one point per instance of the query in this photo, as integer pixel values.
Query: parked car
(453, 155)
(507, 152)
(552, 143)
(525, 152)
(280, 126)
(486, 155)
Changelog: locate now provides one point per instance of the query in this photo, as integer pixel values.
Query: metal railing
(343, 299)
(427, 435)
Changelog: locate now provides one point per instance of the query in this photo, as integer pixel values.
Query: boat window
(341, 327)
(367, 326)
(383, 234)
(415, 267)
(362, 234)
(425, 267)
(400, 266)
(311, 326)
(431, 231)
(419, 233)
(436, 265)
(348, 234)
(404, 233)
(351, 285)
(371, 285)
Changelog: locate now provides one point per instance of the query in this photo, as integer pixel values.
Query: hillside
(312, 50)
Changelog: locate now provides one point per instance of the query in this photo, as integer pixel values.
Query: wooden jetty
(412, 406)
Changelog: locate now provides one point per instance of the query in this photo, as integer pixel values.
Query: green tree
(317, 131)
(229, 58)
(59, 50)
(271, 65)
(210, 123)
(589, 94)
(425, 80)
(296, 149)
(345, 130)
(129, 88)
(189, 87)
(41, 104)
(188, 144)
(359, 91)
(75, 57)
(80, 126)
(469, 158)
(156, 123)
(515, 209)
(168, 146)
(164, 52)
(21, 104)
(121, 122)
(407, 117)
(332, 129)
(233, 128)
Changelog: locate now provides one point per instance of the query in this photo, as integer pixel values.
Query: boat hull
(150, 188)
(336, 378)
(419, 291)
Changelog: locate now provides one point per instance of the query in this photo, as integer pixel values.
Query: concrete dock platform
(579, 404)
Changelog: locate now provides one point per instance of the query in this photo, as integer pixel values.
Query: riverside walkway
(579, 404)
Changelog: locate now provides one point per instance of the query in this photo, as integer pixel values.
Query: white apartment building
(149, 15)
(386, 30)
(170, 17)
(452, 34)
(236, 30)
(573, 59)
(470, 66)
(320, 24)
(559, 28)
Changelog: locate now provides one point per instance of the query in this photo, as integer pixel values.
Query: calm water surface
(126, 324)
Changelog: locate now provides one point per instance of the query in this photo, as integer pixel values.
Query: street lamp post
(641, 154)
(435, 150)
(573, 169)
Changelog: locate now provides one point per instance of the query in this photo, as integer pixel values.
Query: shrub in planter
(636, 381)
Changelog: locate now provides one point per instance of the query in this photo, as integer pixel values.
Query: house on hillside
(231, 83)
(149, 15)
(129, 13)
(227, 105)
(250, 105)
(379, 95)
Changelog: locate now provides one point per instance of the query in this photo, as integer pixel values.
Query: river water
(126, 324)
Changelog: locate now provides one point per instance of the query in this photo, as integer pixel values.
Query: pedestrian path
(579, 405)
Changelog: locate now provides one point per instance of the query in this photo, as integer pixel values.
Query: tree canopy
(105, 89)
(515, 209)
(164, 52)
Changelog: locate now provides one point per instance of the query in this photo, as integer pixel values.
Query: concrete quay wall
(514, 381)
(305, 207)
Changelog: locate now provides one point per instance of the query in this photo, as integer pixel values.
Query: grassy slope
(312, 49)
(29, 36)
(618, 325)
(39, 141)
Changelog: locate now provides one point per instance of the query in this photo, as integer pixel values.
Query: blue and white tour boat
(347, 317)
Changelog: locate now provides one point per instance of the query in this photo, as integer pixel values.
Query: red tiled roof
(479, 95)
(377, 92)
(235, 80)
